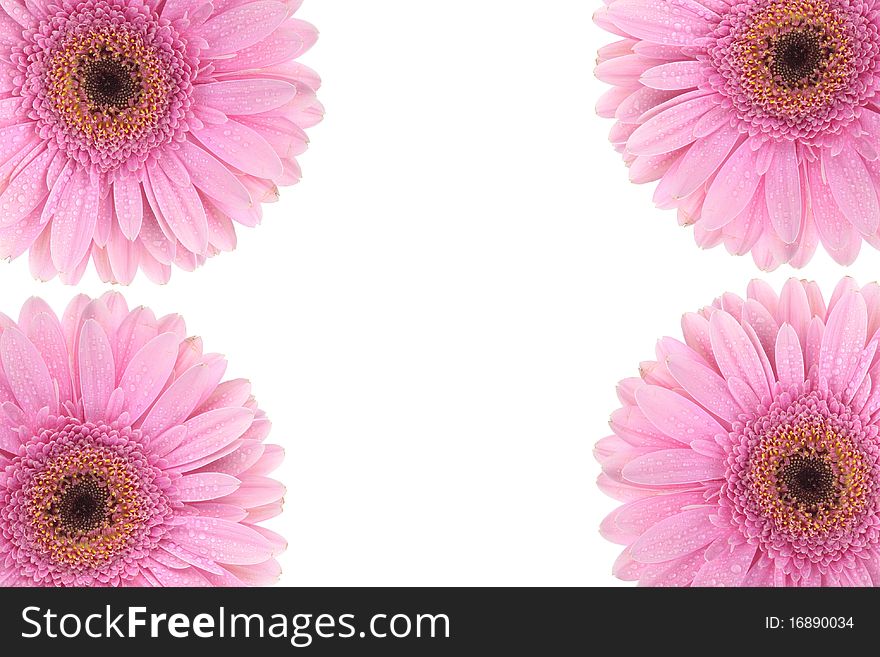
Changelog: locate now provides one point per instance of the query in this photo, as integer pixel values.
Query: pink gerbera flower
(758, 118)
(123, 459)
(138, 132)
(749, 454)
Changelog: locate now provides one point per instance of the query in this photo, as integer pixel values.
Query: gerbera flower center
(807, 481)
(792, 68)
(109, 82)
(796, 57)
(803, 478)
(83, 506)
(88, 500)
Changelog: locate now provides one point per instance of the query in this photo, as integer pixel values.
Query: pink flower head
(124, 461)
(138, 132)
(749, 453)
(757, 117)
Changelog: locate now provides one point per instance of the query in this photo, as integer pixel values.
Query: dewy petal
(640, 515)
(210, 432)
(129, 206)
(843, 340)
(202, 486)
(705, 386)
(74, 220)
(732, 189)
(673, 466)
(243, 148)
(213, 178)
(783, 191)
(182, 210)
(44, 331)
(676, 536)
(177, 402)
(665, 22)
(671, 129)
(241, 26)
(191, 488)
(97, 371)
(702, 159)
(224, 542)
(147, 373)
(852, 189)
(789, 357)
(735, 354)
(241, 97)
(26, 372)
(676, 416)
(727, 569)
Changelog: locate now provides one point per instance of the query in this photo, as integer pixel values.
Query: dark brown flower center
(808, 481)
(109, 83)
(82, 506)
(797, 57)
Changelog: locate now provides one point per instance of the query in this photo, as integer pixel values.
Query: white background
(436, 317)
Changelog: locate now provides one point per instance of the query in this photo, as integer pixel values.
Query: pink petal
(182, 210)
(272, 457)
(262, 574)
(224, 542)
(97, 371)
(674, 75)
(147, 373)
(26, 373)
(209, 433)
(760, 574)
(136, 330)
(673, 466)
(843, 340)
(256, 492)
(241, 26)
(702, 159)
(705, 386)
(219, 510)
(789, 357)
(727, 569)
(630, 424)
(794, 308)
(732, 189)
(782, 188)
(177, 402)
(44, 331)
(669, 130)
(852, 188)
(677, 536)
(200, 487)
(123, 256)
(280, 46)
(678, 572)
(188, 557)
(186, 577)
(129, 205)
(26, 191)
(667, 22)
(213, 177)
(248, 96)
(243, 148)
(73, 222)
(229, 393)
(833, 227)
(675, 416)
(637, 517)
(735, 354)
